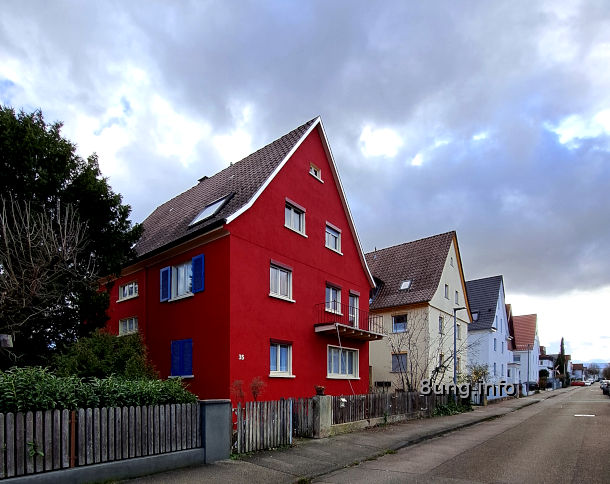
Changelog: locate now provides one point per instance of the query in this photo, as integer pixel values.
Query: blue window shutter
(176, 358)
(187, 357)
(198, 273)
(166, 283)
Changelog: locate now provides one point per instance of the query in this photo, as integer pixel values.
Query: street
(562, 439)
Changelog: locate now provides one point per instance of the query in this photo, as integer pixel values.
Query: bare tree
(426, 357)
(40, 258)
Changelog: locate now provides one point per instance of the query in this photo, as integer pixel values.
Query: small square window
(294, 218)
(280, 282)
(333, 238)
(342, 362)
(399, 323)
(128, 326)
(315, 171)
(399, 363)
(446, 291)
(280, 359)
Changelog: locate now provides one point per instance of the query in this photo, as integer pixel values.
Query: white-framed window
(128, 291)
(333, 238)
(399, 363)
(128, 326)
(446, 291)
(459, 331)
(440, 324)
(354, 302)
(502, 347)
(451, 261)
(457, 297)
(508, 372)
(342, 362)
(280, 359)
(315, 171)
(280, 282)
(294, 218)
(333, 299)
(495, 369)
(517, 358)
(495, 344)
(502, 369)
(182, 279)
(399, 323)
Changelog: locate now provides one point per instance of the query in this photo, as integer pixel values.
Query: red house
(255, 272)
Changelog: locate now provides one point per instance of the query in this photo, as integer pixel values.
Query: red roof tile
(525, 331)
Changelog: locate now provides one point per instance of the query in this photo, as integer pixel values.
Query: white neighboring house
(489, 339)
(527, 348)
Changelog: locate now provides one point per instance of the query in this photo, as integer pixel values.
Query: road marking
(582, 415)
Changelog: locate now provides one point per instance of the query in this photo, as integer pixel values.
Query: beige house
(419, 284)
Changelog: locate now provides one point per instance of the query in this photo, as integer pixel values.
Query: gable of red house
(254, 274)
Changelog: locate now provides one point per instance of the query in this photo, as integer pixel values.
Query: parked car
(577, 383)
(588, 383)
(606, 389)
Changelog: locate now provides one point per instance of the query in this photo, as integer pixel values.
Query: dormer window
(475, 316)
(406, 284)
(315, 171)
(210, 210)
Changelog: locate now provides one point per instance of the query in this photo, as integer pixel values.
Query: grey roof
(169, 223)
(483, 298)
(421, 261)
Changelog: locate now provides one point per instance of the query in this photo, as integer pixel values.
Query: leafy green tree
(103, 354)
(606, 373)
(560, 364)
(42, 176)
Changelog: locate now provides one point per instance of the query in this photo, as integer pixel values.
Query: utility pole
(455, 310)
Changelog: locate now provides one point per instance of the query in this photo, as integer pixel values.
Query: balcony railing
(334, 312)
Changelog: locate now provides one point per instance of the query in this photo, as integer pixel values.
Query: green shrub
(451, 408)
(35, 388)
(103, 354)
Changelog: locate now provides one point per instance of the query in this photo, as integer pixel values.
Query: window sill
(128, 333)
(120, 300)
(342, 377)
(183, 296)
(184, 377)
(296, 231)
(281, 298)
(338, 313)
(399, 332)
(334, 250)
(317, 177)
(281, 375)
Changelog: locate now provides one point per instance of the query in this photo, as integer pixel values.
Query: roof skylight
(209, 211)
(404, 285)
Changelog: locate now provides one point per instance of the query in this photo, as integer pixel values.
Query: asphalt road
(565, 439)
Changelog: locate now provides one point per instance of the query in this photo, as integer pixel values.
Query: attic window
(404, 285)
(315, 171)
(475, 316)
(209, 211)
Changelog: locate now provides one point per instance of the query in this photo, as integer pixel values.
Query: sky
(488, 118)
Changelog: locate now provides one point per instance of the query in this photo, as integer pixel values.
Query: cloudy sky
(490, 118)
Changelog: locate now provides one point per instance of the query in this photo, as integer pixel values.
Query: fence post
(322, 416)
(216, 429)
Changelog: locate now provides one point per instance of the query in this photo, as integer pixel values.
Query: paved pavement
(313, 458)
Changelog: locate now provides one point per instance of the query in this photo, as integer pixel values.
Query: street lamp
(455, 310)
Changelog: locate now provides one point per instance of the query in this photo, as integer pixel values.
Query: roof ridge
(453, 232)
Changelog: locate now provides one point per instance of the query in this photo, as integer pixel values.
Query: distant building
(527, 348)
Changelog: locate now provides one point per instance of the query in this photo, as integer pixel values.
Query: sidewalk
(310, 458)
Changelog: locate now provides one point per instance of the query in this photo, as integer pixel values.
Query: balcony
(349, 322)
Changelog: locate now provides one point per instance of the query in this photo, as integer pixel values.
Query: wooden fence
(302, 417)
(35, 442)
(372, 405)
(263, 425)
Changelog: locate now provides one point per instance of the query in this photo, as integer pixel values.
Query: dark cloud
(524, 205)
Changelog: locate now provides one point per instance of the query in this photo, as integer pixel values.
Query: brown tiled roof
(169, 223)
(421, 261)
(525, 331)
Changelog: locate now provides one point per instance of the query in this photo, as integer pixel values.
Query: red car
(578, 383)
